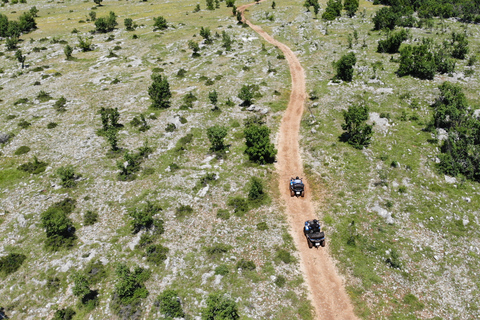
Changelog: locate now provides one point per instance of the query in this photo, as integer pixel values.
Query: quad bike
(315, 237)
(297, 188)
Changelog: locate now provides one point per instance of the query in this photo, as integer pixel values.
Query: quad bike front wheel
(303, 194)
(322, 243)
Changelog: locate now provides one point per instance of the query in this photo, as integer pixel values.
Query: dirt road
(325, 286)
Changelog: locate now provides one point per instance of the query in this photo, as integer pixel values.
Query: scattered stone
(4, 137)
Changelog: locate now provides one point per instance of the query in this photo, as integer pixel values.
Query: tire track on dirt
(325, 286)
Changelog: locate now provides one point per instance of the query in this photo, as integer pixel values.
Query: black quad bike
(315, 237)
(297, 188)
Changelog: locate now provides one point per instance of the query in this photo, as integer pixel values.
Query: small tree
(351, 6)
(129, 166)
(67, 176)
(345, 65)
(333, 10)
(255, 193)
(194, 47)
(246, 94)
(85, 44)
(216, 134)
(239, 16)
(112, 138)
(259, 148)
(213, 96)
(98, 2)
(160, 23)
(226, 41)
(159, 92)
(393, 42)
(358, 132)
(93, 15)
(68, 52)
(34, 11)
(459, 45)
(274, 5)
(230, 3)
(20, 57)
(11, 43)
(170, 305)
(210, 5)
(128, 22)
(206, 34)
(220, 307)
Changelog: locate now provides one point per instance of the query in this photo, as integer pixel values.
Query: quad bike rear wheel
(310, 244)
(303, 194)
(322, 243)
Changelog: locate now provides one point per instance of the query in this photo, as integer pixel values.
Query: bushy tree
(67, 176)
(259, 148)
(58, 227)
(459, 45)
(68, 50)
(160, 23)
(358, 132)
(20, 57)
(143, 218)
(216, 135)
(170, 305)
(128, 22)
(226, 41)
(417, 61)
(246, 94)
(213, 97)
(129, 166)
(206, 35)
(27, 22)
(194, 47)
(230, 3)
(129, 289)
(385, 18)
(345, 65)
(106, 24)
(393, 42)
(220, 307)
(333, 10)
(451, 108)
(351, 6)
(255, 192)
(64, 314)
(98, 2)
(11, 263)
(159, 92)
(210, 5)
(85, 44)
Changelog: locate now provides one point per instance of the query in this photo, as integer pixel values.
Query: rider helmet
(297, 178)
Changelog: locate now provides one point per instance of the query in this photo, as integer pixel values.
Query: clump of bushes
(22, 150)
(59, 228)
(246, 265)
(170, 305)
(220, 307)
(90, 217)
(34, 167)
(11, 263)
(129, 290)
(239, 205)
(143, 218)
(156, 253)
(67, 176)
(183, 211)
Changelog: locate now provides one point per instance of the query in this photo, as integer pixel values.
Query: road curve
(325, 286)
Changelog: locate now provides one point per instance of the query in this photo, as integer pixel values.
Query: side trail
(325, 287)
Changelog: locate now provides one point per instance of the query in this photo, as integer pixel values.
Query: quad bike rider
(315, 237)
(297, 188)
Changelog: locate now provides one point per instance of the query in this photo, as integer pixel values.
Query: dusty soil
(326, 289)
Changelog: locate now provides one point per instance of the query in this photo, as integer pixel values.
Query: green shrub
(142, 218)
(95, 271)
(160, 23)
(417, 61)
(413, 302)
(90, 217)
(239, 205)
(284, 256)
(20, 101)
(129, 290)
(34, 167)
(146, 239)
(218, 249)
(58, 227)
(220, 307)
(259, 148)
(43, 96)
(156, 253)
(170, 127)
(280, 281)
(170, 305)
(216, 135)
(222, 270)
(64, 314)
(182, 142)
(159, 92)
(402, 189)
(246, 265)
(344, 67)
(394, 260)
(393, 42)
(358, 132)
(52, 125)
(11, 263)
(22, 150)
(262, 226)
(183, 211)
(255, 192)
(67, 176)
(223, 214)
(129, 166)
(106, 24)
(24, 124)
(60, 104)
